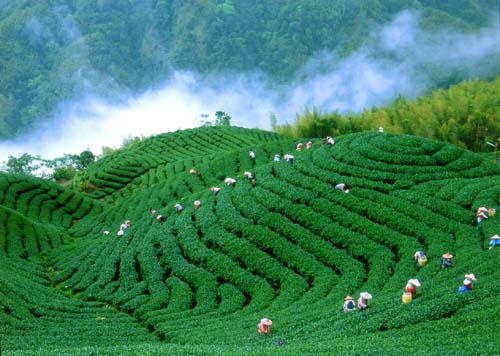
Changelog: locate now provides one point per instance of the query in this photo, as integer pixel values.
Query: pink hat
(266, 321)
(348, 298)
(482, 209)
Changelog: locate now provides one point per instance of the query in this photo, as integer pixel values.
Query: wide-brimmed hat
(266, 321)
(483, 209)
(447, 255)
(470, 276)
(495, 237)
(348, 298)
(365, 295)
(415, 282)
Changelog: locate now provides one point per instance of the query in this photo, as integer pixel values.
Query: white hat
(120, 232)
(365, 295)
(415, 282)
(495, 237)
(470, 276)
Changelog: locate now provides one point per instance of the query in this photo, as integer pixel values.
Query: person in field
(349, 304)
(289, 158)
(125, 225)
(251, 154)
(299, 146)
(447, 261)
(330, 140)
(215, 190)
(411, 287)
(229, 181)
(467, 283)
(363, 300)
(420, 258)
(342, 187)
(193, 171)
(178, 208)
(481, 214)
(196, 204)
(248, 175)
(160, 218)
(264, 327)
(495, 241)
(309, 144)
(152, 211)
(277, 157)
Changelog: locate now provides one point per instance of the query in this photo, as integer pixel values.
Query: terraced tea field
(288, 247)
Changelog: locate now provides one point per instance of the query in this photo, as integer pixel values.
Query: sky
(387, 66)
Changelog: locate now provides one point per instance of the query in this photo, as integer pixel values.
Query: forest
(53, 52)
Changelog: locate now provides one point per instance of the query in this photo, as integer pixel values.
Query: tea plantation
(288, 247)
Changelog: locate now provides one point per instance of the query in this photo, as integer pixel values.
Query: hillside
(58, 51)
(289, 248)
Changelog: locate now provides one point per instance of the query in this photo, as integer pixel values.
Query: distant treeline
(467, 114)
(51, 51)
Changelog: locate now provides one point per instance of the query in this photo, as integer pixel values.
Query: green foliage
(288, 247)
(466, 115)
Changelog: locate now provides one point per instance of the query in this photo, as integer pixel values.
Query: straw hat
(266, 321)
(470, 276)
(483, 209)
(447, 255)
(348, 298)
(415, 282)
(495, 237)
(365, 295)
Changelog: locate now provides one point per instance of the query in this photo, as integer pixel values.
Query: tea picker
(495, 241)
(364, 299)
(215, 190)
(447, 261)
(178, 208)
(481, 214)
(342, 187)
(420, 258)
(125, 225)
(264, 327)
(411, 287)
(349, 304)
(467, 283)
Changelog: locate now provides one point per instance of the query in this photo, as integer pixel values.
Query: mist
(393, 62)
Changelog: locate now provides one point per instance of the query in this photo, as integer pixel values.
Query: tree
(222, 119)
(84, 159)
(24, 164)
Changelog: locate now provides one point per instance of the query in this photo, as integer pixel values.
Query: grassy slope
(289, 249)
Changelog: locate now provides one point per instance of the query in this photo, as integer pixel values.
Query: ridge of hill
(288, 248)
